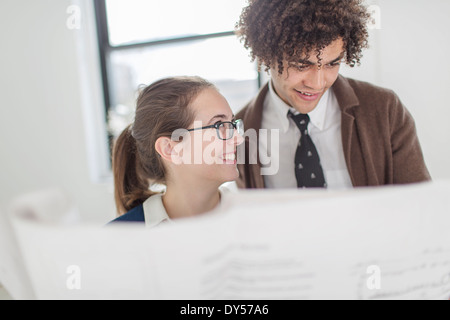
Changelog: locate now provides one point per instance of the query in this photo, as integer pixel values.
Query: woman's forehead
(210, 105)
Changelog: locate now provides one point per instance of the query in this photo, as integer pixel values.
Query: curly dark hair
(275, 30)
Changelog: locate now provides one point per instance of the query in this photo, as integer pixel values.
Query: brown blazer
(379, 137)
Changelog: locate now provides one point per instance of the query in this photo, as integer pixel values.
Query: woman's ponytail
(130, 187)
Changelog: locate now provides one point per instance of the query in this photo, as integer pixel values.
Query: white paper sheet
(381, 243)
(13, 276)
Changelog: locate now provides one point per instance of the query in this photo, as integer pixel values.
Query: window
(142, 41)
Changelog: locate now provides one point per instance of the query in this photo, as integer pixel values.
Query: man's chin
(305, 109)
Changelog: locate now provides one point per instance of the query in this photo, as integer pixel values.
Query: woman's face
(205, 155)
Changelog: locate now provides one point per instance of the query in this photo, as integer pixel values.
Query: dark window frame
(105, 49)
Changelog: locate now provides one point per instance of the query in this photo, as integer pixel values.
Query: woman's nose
(237, 139)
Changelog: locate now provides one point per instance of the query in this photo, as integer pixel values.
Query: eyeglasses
(225, 130)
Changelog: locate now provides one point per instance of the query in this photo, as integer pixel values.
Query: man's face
(302, 84)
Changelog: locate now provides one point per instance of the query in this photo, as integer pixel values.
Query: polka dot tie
(308, 169)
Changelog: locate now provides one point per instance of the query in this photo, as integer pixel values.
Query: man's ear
(165, 147)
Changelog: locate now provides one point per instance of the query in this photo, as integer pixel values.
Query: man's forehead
(335, 50)
(313, 59)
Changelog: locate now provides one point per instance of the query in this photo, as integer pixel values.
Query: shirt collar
(319, 113)
(154, 211)
(281, 108)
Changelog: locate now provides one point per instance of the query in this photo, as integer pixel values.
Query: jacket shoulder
(134, 215)
(252, 112)
(362, 87)
(371, 100)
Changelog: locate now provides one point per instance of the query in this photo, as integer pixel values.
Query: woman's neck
(187, 201)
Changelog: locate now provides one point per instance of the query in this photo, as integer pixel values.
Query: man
(333, 132)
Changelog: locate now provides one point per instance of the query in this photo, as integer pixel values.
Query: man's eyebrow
(310, 63)
(341, 56)
(301, 61)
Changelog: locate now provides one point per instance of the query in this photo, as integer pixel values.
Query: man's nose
(316, 79)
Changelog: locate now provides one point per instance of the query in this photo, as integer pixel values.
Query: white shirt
(155, 213)
(325, 131)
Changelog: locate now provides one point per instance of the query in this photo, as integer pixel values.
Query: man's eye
(301, 67)
(334, 64)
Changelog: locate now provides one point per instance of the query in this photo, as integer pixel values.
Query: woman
(184, 136)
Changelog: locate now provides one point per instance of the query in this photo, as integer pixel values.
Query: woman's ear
(165, 147)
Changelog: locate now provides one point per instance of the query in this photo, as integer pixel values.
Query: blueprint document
(369, 243)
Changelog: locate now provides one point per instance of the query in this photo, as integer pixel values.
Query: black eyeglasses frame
(217, 127)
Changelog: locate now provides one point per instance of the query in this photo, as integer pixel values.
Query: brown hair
(161, 108)
(275, 30)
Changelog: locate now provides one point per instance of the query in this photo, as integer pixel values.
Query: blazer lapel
(348, 100)
(252, 116)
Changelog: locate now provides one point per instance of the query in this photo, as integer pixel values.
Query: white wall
(44, 93)
(409, 55)
(42, 124)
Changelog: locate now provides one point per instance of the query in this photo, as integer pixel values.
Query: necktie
(308, 169)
